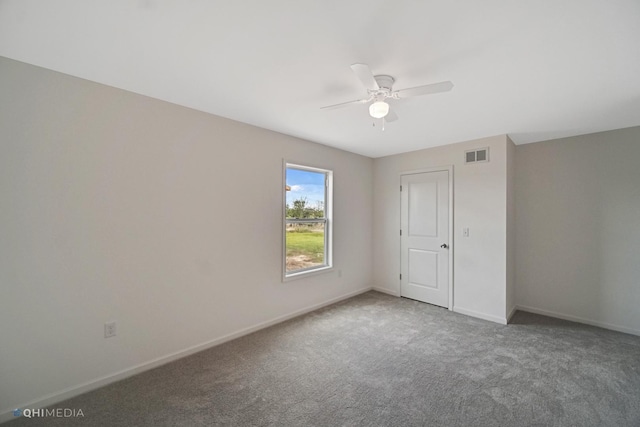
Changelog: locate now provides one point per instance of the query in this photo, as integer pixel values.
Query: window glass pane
(305, 194)
(308, 219)
(305, 246)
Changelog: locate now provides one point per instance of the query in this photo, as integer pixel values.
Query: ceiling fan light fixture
(379, 109)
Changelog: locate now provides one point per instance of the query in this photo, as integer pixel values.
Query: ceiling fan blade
(364, 74)
(344, 104)
(425, 90)
(391, 116)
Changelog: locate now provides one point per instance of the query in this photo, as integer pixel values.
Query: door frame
(448, 168)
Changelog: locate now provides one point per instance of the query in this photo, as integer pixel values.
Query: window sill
(303, 274)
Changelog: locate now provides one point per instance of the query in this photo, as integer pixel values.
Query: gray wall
(115, 206)
(578, 228)
(511, 228)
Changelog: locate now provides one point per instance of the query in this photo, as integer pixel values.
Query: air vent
(478, 155)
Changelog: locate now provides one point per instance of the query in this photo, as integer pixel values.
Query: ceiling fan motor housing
(385, 83)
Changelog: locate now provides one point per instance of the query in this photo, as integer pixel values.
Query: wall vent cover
(479, 155)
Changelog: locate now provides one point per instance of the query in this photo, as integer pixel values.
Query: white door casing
(425, 237)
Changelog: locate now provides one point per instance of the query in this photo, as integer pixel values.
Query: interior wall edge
(479, 315)
(387, 291)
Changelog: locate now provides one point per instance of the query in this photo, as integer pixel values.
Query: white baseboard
(7, 414)
(511, 313)
(386, 291)
(489, 317)
(578, 319)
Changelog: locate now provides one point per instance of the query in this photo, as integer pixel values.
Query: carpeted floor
(377, 360)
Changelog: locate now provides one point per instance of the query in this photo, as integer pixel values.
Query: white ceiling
(533, 69)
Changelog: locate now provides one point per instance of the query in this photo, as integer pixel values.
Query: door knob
(444, 246)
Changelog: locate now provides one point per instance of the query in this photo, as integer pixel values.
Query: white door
(424, 237)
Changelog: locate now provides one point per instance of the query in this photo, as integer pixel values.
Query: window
(307, 223)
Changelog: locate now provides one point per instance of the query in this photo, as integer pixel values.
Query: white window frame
(328, 221)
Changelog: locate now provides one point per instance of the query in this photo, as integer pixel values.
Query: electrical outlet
(110, 329)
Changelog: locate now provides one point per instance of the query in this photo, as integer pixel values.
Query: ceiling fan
(380, 88)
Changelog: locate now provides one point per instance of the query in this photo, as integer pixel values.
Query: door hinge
(401, 232)
(401, 188)
(400, 276)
